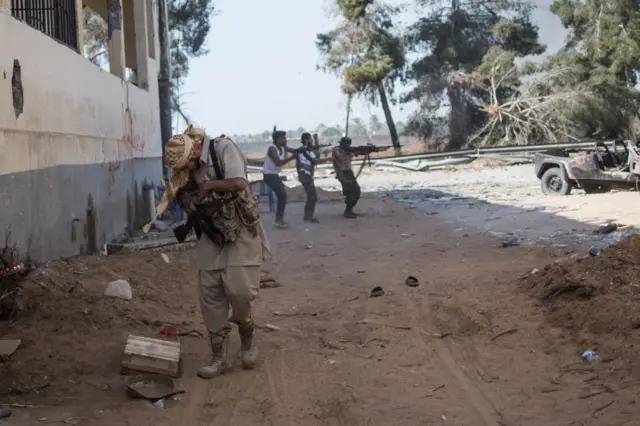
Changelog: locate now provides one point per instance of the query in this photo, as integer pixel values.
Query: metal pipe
(150, 196)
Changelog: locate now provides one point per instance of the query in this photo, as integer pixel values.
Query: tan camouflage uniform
(229, 274)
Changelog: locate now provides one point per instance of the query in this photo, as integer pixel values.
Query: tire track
(487, 412)
(198, 397)
(282, 408)
(237, 393)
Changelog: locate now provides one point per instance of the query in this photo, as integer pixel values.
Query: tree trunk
(393, 132)
(458, 119)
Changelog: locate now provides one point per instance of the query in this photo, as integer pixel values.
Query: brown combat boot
(218, 363)
(248, 348)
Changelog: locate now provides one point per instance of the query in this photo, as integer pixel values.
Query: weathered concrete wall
(70, 133)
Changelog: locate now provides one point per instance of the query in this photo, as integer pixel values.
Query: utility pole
(178, 86)
(346, 125)
(164, 77)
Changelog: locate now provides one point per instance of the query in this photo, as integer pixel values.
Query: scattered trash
(534, 271)
(443, 418)
(405, 235)
(606, 229)
(351, 299)
(151, 356)
(590, 356)
(412, 281)
(164, 257)
(437, 335)
(158, 225)
(505, 333)
(159, 403)
(169, 330)
(13, 270)
(377, 292)
(191, 333)
(362, 271)
(397, 327)
(8, 347)
(270, 327)
(153, 387)
(331, 362)
(594, 251)
(437, 388)
(268, 282)
(308, 246)
(120, 289)
(510, 242)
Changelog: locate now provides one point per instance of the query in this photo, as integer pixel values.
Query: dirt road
(465, 347)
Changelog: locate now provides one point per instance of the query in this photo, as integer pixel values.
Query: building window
(55, 18)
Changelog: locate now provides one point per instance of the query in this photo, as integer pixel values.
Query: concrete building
(76, 142)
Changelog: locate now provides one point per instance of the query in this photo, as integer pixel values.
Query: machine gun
(367, 149)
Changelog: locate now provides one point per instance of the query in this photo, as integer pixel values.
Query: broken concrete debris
(120, 289)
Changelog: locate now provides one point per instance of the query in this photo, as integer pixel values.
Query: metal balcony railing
(56, 18)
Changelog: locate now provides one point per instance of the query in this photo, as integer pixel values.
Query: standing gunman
(342, 158)
(306, 162)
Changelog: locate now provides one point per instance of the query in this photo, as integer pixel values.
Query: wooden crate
(142, 354)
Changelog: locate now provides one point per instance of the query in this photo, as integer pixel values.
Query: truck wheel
(554, 182)
(595, 189)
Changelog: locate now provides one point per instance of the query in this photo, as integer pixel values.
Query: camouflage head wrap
(180, 150)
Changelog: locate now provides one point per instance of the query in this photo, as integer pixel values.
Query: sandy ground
(481, 341)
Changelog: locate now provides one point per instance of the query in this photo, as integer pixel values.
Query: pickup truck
(596, 170)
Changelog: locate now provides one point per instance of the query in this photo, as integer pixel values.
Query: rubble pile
(595, 298)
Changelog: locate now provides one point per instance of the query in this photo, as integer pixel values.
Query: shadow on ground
(542, 225)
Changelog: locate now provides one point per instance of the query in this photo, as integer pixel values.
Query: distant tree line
(358, 128)
(465, 63)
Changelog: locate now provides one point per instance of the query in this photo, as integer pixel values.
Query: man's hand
(203, 188)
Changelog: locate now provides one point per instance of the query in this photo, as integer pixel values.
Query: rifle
(200, 210)
(301, 149)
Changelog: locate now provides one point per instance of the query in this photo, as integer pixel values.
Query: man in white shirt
(274, 160)
(306, 162)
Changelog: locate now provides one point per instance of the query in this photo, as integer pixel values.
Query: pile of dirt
(596, 299)
(73, 335)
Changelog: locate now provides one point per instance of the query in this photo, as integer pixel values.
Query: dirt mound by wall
(596, 300)
(73, 335)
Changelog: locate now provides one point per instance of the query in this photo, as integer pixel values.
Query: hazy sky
(261, 69)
